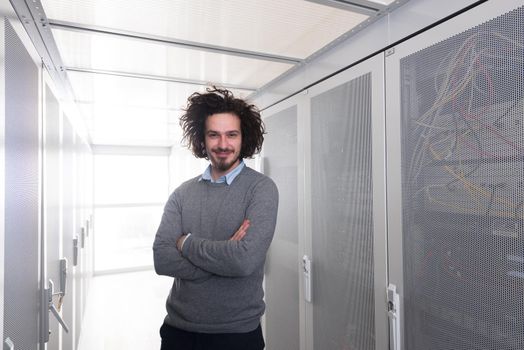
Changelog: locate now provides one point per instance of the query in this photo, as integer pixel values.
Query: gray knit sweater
(218, 283)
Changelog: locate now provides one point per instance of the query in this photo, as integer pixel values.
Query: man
(216, 230)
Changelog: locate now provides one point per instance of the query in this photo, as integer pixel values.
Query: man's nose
(222, 142)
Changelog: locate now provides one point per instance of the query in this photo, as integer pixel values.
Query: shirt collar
(228, 178)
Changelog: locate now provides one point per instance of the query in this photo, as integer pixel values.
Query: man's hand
(180, 242)
(237, 236)
(241, 232)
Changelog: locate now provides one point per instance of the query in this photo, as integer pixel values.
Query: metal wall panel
(22, 206)
(456, 184)
(282, 267)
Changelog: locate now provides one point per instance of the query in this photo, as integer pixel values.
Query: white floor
(125, 311)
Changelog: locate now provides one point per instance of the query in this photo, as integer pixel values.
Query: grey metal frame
(365, 7)
(156, 77)
(4, 10)
(35, 22)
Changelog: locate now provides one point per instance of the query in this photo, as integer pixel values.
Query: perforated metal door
(22, 206)
(342, 217)
(462, 127)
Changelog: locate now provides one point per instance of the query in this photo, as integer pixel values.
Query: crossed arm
(237, 236)
(167, 259)
(194, 258)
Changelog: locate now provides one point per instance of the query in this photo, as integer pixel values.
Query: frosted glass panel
(124, 236)
(93, 51)
(121, 179)
(282, 267)
(462, 189)
(245, 24)
(342, 222)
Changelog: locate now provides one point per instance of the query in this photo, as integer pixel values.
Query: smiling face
(223, 141)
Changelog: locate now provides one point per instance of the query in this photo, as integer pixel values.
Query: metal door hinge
(390, 51)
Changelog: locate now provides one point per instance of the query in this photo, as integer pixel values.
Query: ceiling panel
(301, 27)
(113, 53)
(145, 111)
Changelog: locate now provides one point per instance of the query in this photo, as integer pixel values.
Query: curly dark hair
(202, 105)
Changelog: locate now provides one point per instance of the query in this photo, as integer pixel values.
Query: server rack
(455, 190)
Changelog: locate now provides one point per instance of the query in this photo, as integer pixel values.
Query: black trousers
(178, 339)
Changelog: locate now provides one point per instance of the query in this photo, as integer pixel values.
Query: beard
(221, 164)
(224, 165)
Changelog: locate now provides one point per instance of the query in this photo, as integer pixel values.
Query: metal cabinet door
(346, 176)
(455, 170)
(68, 228)
(22, 192)
(282, 279)
(51, 237)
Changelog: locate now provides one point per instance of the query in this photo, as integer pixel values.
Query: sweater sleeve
(240, 258)
(167, 259)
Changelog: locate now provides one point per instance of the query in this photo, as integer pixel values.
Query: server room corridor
(394, 134)
(131, 303)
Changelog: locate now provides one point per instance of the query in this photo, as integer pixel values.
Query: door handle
(8, 344)
(82, 237)
(49, 307)
(75, 251)
(63, 276)
(306, 273)
(394, 317)
(88, 223)
(52, 307)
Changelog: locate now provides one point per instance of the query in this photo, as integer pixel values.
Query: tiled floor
(125, 311)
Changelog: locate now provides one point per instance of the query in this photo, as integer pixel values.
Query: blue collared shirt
(228, 178)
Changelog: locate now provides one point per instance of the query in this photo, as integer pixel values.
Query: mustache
(220, 149)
